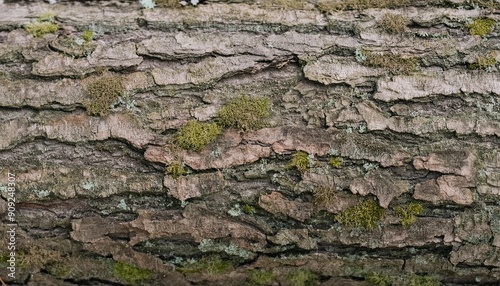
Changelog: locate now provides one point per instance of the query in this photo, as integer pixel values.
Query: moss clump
(176, 169)
(392, 23)
(300, 161)
(131, 274)
(87, 35)
(336, 5)
(245, 113)
(378, 279)
(481, 26)
(335, 162)
(323, 196)
(303, 277)
(168, 3)
(407, 215)
(261, 277)
(393, 63)
(287, 4)
(102, 93)
(365, 214)
(416, 280)
(212, 265)
(195, 135)
(484, 62)
(248, 209)
(38, 28)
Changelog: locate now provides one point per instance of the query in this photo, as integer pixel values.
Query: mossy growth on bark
(323, 196)
(366, 214)
(87, 35)
(131, 274)
(335, 162)
(212, 265)
(43, 25)
(336, 5)
(176, 170)
(407, 214)
(245, 113)
(302, 277)
(484, 62)
(395, 64)
(417, 280)
(392, 23)
(195, 135)
(102, 93)
(481, 26)
(300, 161)
(260, 277)
(248, 209)
(376, 279)
(168, 4)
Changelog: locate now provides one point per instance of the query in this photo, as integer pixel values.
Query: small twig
(3, 283)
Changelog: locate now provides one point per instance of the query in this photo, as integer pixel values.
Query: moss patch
(260, 277)
(365, 214)
(176, 169)
(392, 23)
(300, 161)
(484, 62)
(131, 274)
(102, 93)
(303, 277)
(87, 35)
(407, 215)
(248, 209)
(287, 4)
(393, 63)
(323, 196)
(335, 162)
(38, 29)
(245, 113)
(481, 26)
(212, 265)
(335, 5)
(195, 135)
(378, 279)
(416, 280)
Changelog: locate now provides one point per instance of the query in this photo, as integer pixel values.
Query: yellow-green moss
(302, 277)
(417, 280)
(261, 277)
(245, 113)
(300, 161)
(335, 5)
(38, 29)
(407, 215)
(335, 162)
(484, 62)
(365, 214)
(212, 265)
(47, 17)
(131, 274)
(248, 209)
(176, 169)
(378, 279)
(87, 35)
(195, 135)
(392, 23)
(102, 93)
(393, 63)
(481, 26)
(323, 196)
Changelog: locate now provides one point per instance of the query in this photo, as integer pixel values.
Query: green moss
(47, 17)
(393, 63)
(102, 93)
(176, 169)
(300, 161)
(38, 29)
(329, 6)
(248, 209)
(212, 265)
(481, 26)
(261, 277)
(392, 23)
(131, 274)
(407, 215)
(484, 62)
(416, 280)
(365, 214)
(323, 196)
(245, 113)
(87, 35)
(378, 279)
(303, 277)
(195, 135)
(335, 162)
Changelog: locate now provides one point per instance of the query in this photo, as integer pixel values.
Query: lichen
(260, 277)
(392, 23)
(366, 214)
(102, 93)
(212, 265)
(245, 113)
(481, 26)
(407, 215)
(176, 170)
(302, 277)
(208, 245)
(300, 161)
(195, 135)
(131, 274)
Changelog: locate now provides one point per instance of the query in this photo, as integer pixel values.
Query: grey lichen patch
(208, 245)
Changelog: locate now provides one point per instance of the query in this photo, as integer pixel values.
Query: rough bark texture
(92, 192)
